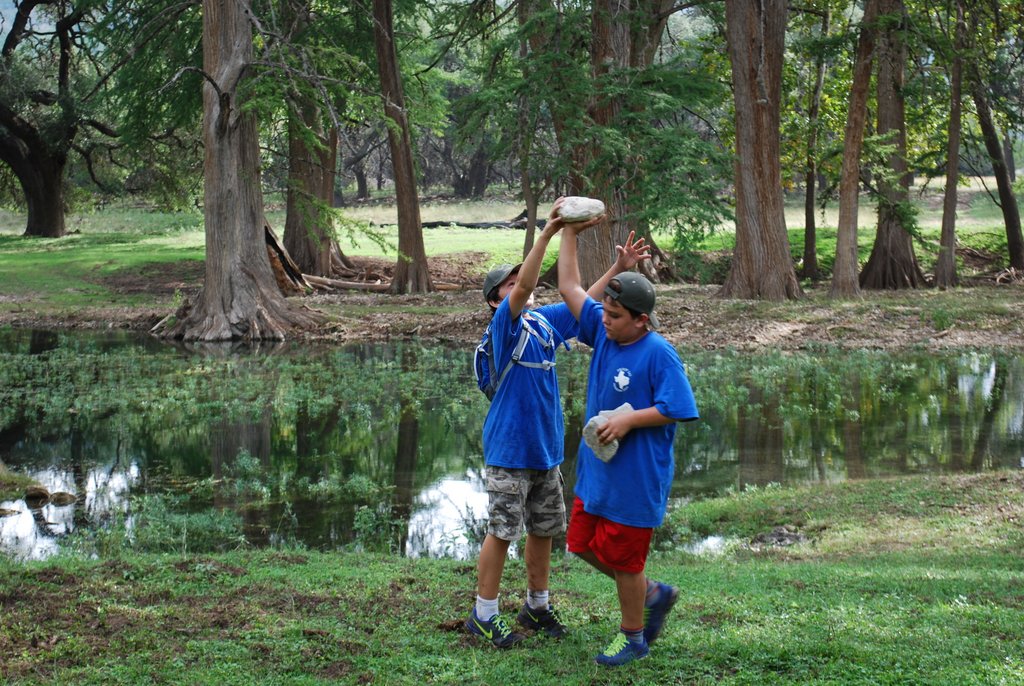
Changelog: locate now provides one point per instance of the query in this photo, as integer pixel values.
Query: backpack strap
(553, 338)
(524, 337)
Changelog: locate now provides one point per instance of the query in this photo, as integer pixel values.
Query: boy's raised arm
(627, 257)
(529, 273)
(569, 273)
(569, 286)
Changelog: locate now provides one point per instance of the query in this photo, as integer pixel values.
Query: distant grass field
(121, 236)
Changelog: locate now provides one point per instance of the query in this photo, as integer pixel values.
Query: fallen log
(323, 283)
(287, 274)
(444, 224)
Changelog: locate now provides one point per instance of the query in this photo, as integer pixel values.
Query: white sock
(537, 600)
(486, 609)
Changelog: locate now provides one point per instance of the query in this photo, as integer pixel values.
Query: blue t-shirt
(524, 427)
(633, 487)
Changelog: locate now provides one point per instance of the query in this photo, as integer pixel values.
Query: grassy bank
(915, 581)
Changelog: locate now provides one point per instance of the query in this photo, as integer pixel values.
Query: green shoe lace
(501, 626)
(616, 646)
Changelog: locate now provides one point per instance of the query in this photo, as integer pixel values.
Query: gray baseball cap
(636, 293)
(497, 276)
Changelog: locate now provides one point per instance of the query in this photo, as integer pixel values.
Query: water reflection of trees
(329, 431)
(797, 418)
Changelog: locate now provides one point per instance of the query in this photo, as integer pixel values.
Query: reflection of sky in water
(34, 534)
(442, 516)
(444, 522)
(24, 539)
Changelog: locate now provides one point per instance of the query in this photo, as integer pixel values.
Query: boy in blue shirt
(523, 437)
(619, 500)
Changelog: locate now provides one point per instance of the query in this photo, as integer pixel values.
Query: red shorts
(623, 548)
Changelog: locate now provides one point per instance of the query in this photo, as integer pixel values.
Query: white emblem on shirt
(621, 380)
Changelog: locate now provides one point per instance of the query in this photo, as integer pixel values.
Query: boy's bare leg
(490, 566)
(591, 559)
(632, 589)
(537, 555)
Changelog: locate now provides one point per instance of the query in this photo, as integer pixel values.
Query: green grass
(911, 581)
(68, 272)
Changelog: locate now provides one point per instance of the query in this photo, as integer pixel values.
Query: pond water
(378, 446)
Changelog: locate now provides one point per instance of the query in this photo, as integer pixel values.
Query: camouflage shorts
(524, 500)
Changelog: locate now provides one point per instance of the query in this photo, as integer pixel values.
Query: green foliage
(941, 319)
(12, 486)
(377, 530)
(161, 524)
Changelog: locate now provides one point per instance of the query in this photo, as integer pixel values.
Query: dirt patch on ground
(157, 278)
(983, 314)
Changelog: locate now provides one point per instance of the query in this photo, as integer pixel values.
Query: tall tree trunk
(525, 124)
(945, 267)
(626, 35)
(610, 50)
(479, 166)
(37, 134)
(892, 263)
(1011, 165)
(762, 267)
(42, 182)
(564, 112)
(38, 163)
(844, 271)
(362, 187)
(1007, 199)
(411, 272)
(810, 266)
(307, 226)
(240, 298)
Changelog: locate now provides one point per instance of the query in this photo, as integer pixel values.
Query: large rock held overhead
(576, 208)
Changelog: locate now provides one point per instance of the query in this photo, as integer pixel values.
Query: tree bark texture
(945, 266)
(411, 272)
(37, 156)
(1007, 199)
(810, 261)
(762, 267)
(892, 264)
(844, 271)
(626, 35)
(240, 299)
(311, 155)
(40, 174)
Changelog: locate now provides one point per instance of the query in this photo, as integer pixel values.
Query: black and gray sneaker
(542, 620)
(495, 630)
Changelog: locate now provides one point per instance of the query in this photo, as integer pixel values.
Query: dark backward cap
(497, 276)
(635, 293)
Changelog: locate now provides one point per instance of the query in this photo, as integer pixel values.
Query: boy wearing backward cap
(637, 380)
